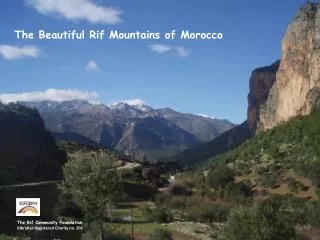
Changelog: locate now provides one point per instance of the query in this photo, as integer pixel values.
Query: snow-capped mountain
(135, 129)
(130, 110)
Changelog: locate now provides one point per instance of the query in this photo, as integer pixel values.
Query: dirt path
(28, 184)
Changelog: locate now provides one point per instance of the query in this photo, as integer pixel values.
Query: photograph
(159, 120)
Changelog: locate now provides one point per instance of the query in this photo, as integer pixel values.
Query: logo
(28, 207)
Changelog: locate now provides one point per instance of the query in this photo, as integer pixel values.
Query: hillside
(225, 142)
(271, 177)
(27, 150)
(137, 130)
(292, 147)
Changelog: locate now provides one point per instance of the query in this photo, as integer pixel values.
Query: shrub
(161, 215)
(259, 222)
(178, 189)
(237, 191)
(275, 168)
(268, 180)
(220, 176)
(312, 212)
(160, 234)
(158, 213)
(261, 170)
(207, 212)
(318, 193)
(292, 208)
(178, 203)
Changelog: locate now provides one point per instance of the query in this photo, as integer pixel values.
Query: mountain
(203, 127)
(287, 88)
(225, 142)
(154, 137)
(137, 130)
(126, 110)
(27, 150)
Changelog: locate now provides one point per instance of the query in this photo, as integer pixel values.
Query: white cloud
(183, 52)
(134, 102)
(78, 10)
(92, 66)
(50, 94)
(10, 52)
(53, 94)
(162, 48)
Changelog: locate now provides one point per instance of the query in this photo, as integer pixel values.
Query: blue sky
(211, 78)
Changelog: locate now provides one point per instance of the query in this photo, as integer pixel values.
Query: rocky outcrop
(260, 84)
(296, 89)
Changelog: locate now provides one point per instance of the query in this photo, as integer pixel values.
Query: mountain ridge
(126, 127)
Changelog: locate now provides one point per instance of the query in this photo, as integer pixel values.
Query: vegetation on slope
(292, 146)
(277, 171)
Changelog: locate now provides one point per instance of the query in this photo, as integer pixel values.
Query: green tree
(92, 180)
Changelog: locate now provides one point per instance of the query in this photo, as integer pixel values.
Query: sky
(209, 77)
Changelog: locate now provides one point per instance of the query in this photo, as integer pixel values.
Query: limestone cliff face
(296, 90)
(260, 84)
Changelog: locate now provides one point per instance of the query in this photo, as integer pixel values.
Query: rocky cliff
(260, 84)
(296, 90)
